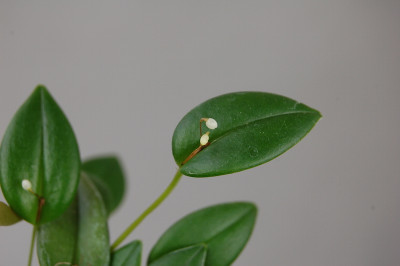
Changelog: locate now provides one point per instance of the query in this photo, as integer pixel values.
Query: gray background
(125, 72)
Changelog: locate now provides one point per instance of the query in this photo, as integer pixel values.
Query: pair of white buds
(211, 124)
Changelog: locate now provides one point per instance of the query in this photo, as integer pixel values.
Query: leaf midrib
(133, 250)
(206, 242)
(42, 165)
(240, 218)
(230, 131)
(186, 247)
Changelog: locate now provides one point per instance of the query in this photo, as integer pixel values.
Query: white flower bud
(27, 185)
(211, 123)
(204, 139)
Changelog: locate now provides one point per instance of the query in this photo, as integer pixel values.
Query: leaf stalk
(32, 245)
(149, 210)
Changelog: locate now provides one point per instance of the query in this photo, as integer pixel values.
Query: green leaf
(253, 128)
(128, 255)
(190, 256)
(56, 240)
(93, 240)
(7, 215)
(80, 235)
(40, 146)
(107, 174)
(223, 229)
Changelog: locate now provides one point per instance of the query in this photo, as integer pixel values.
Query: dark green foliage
(190, 256)
(80, 235)
(56, 240)
(93, 247)
(128, 255)
(106, 173)
(220, 231)
(253, 128)
(40, 146)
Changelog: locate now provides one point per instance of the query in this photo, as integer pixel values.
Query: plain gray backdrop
(125, 73)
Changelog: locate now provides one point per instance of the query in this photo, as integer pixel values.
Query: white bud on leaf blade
(211, 123)
(204, 139)
(26, 184)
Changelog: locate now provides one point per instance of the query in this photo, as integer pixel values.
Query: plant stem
(150, 209)
(32, 245)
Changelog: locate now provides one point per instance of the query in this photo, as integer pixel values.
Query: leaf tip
(40, 88)
(251, 206)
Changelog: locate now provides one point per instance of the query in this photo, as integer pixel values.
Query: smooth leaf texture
(80, 235)
(56, 240)
(128, 255)
(190, 256)
(107, 174)
(93, 246)
(40, 146)
(223, 230)
(253, 128)
(7, 215)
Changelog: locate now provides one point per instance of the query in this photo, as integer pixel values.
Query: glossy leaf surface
(190, 256)
(56, 240)
(93, 240)
(253, 128)
(107, 174)
(128, 255)
(40, 146)
(80, 235)
(7, 215)
(223, 229)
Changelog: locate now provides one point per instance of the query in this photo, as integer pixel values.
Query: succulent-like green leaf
(189, 256)
(40, 146)
(128, 255)
(80, 235)
(56, 240)
(93, 240)
(222, 229)
(107, 174)
(7, 215)
(253, 128)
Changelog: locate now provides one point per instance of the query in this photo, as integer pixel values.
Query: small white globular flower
(211, 123)
(204, 139)
(27, 185)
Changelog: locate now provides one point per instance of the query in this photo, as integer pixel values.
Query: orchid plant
(68, 201)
